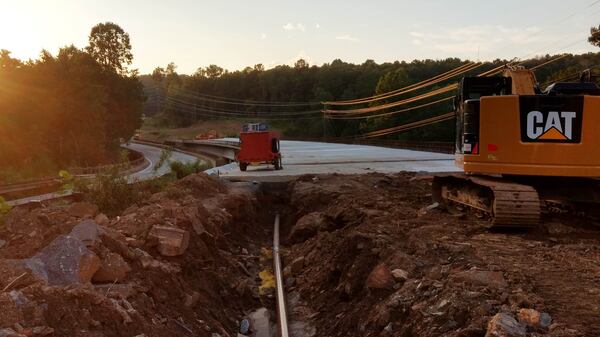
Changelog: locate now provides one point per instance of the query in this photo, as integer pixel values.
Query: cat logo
(551, 119)
(556, 126)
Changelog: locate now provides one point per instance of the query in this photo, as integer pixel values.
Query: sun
(20, 33)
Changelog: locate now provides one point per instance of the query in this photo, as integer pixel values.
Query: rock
(290, 282)
(124, 312)
(380, 277)
(145, 259)
(10, 333)
(260, 322)
(534, 318)
(41, 331)
(244, 326)
(113, 268)
(555, 228)
(115, 290)
(493, 279)
(66, 260)
(427, 209)
(2, 243)
(9, 313)
(191, 300)
(18, 298)
(244, 251)
(88, 266)
(308, 226)
(101, 219)
(87, 231)
(297, 265)
(117, 243)
(171, 241)
(400, 274)
(504, 325)
(83, 210)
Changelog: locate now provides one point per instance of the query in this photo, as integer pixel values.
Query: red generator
(258, 146)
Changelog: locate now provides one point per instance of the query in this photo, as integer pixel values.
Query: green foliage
(68, 181)
(333, 81)
(595, 36)
(4, 206)
(110, 46)
(185, 169)
(165, 154)
(110, 191)
(65, 110)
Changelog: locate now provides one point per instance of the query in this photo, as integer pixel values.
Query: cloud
(263, 36)
(346, 37)
(290, 27)
(470, 40)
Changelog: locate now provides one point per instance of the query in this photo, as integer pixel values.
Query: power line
(195, 105)
(235, 101)
(412, 87)
(397, 103)
(408, 126)
(210, 113)
(392, 112)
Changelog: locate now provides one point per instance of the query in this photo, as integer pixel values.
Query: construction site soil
(364, 255)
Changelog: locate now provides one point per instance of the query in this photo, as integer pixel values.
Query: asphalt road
(152, 154)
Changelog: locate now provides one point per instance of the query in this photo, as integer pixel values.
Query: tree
(158, 75)
(595, 36)
(7, 62)
(301, 63)
(213, 71)
(109, 45)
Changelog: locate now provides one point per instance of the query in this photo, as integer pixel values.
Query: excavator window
(573, 88)
(466, 105)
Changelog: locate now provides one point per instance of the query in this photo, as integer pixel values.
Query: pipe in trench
(281, 308)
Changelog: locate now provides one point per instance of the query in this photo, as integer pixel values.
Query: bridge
(215, 148)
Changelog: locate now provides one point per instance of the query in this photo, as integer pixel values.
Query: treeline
(215, 93)
(70, 109)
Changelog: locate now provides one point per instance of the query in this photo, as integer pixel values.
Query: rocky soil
(174, 265)
(364, 256)
(371, 256)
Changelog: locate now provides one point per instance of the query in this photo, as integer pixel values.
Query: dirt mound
(365, 256)
(145, 279)
(379, 260)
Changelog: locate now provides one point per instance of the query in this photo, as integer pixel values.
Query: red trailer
(258, 146)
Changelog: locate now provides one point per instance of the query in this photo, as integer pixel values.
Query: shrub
(185, 169)
(4, 206)
(110, 191)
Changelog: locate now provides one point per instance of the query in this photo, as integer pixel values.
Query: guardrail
(134, 159)
(430, 146)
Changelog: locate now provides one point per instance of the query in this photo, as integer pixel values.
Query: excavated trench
(362, 256)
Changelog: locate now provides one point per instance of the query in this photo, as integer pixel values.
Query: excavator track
(508, 204)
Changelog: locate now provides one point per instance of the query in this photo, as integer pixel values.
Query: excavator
(524, 151)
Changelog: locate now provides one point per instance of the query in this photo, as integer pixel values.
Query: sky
(238, 33)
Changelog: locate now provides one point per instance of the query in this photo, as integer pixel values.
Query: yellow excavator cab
(520, 148)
